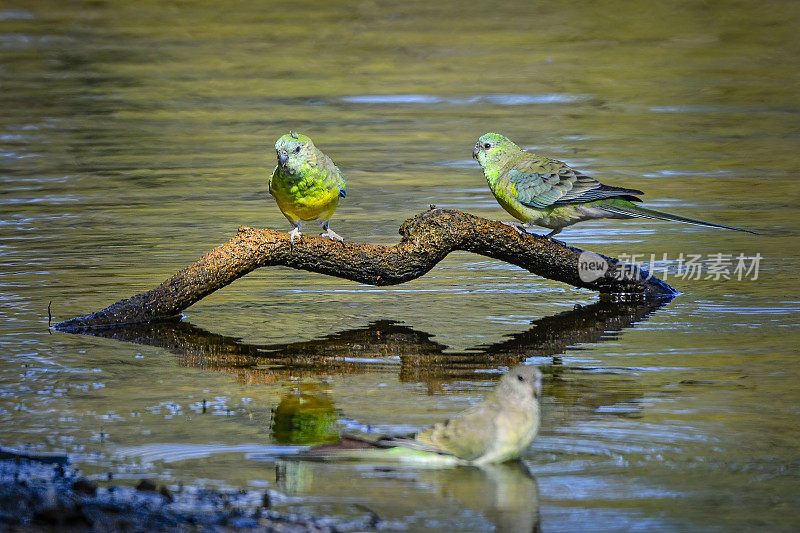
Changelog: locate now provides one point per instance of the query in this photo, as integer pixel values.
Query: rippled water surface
(136, 136)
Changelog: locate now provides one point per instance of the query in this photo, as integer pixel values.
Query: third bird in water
(496, 430)
(306, 184)
(548, 193)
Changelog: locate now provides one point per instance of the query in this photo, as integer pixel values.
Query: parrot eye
(297, 150)
(487, 146)
(520, 378)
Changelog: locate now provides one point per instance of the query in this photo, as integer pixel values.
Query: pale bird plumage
(549, 193)
(498, 429)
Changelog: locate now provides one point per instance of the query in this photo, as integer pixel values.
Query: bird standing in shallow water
(548, 193)
(306, 184)
(494, 431)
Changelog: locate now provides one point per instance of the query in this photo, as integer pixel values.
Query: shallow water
(133, 138)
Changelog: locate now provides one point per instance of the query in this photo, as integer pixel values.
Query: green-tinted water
(136, 136)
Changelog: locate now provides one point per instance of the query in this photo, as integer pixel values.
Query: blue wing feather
(542, 183)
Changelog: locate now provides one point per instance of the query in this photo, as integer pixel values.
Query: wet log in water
(426, 239)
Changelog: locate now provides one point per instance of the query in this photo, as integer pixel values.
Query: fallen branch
(426, 239)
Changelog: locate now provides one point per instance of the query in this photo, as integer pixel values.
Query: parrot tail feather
(643, 212)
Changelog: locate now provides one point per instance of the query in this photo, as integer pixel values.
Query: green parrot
(496, 430)
(548, 193)
(306, 184)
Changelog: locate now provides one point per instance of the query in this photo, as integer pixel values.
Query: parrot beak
(476, 150)
(283, 157)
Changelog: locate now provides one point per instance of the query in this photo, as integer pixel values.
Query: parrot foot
(555, 232)
(294, 234)
(519, 227)
(332, 235)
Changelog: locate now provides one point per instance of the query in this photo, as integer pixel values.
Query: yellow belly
(317, 204)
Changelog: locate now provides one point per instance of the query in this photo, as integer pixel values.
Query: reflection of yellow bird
(305, 415)
(306, 184)
(496, 430)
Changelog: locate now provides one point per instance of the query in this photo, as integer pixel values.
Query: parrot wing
(542, 182)
(343, 185)
(333, 176)
(269, 181)
(468, 436)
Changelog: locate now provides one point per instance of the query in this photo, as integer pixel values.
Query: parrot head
(491, 148)
(293, 150)
(522, 382)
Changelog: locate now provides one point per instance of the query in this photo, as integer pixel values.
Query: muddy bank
(43, 493)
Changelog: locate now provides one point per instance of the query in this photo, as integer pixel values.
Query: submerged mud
(43, 493)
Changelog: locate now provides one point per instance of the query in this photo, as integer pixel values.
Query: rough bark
(426, 239)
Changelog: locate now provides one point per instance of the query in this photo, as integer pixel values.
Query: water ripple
(170, 453)
(721, 109)
(15, 14)
(496, 99)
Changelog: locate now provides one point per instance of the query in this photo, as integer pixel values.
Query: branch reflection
(384, 343)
